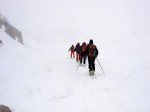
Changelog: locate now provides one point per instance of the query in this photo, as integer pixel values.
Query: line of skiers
(82, 52)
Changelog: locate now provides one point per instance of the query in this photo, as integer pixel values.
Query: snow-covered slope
(40, 76)
(45, 79)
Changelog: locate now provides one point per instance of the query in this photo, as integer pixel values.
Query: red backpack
(72, 48)
(83, 47)
(92, 50)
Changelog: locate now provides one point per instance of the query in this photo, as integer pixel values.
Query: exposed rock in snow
(11, 30)
(4, 108)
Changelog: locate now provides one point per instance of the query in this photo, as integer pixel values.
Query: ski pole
(100, 67)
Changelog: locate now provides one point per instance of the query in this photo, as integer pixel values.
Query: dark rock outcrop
(11, 30)
(4, 108)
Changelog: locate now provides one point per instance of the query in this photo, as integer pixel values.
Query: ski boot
(91, 72)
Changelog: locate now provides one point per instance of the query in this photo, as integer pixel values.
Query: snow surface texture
(40, 76)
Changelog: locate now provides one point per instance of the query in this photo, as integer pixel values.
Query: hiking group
(82, 52)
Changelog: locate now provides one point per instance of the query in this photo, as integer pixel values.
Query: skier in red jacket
(83, 53)
(92, 53)
(72, 51)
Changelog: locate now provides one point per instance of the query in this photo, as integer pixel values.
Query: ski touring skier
(72, 49)
(92, 53)
(77, 49)
(83, 53)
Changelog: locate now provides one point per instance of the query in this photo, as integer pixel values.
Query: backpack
(83, 47)
(72, 48)
(92, 50)
(77, 48)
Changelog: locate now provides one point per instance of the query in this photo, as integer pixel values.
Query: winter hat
(91, 42)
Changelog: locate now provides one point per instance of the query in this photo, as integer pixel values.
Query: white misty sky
(77, 18)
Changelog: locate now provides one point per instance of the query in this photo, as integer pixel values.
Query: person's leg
(93, 63)
(84, 58)
(81, 57)
(76, 56)
(71, 54)
(89, 62)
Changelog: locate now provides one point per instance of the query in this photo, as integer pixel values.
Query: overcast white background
(40, 76)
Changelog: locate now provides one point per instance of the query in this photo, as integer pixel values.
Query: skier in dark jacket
(77, 49)
(92, 53)
(83, 53)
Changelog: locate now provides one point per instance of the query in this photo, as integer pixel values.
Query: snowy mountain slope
(41, 80)
(40, 76)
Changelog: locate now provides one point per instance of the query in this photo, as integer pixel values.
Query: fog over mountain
(41, 76)
(79, 19)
